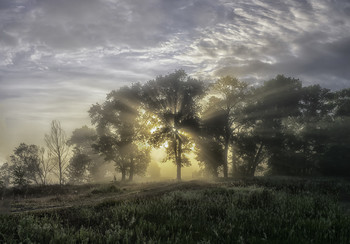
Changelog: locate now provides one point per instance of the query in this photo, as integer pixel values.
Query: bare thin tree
(56, 143)
(46, 165)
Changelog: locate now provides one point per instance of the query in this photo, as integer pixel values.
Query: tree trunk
(225, 164)
(123, 174)
(178, 175)
(60, 168)
(256, 160)
(215, 173)
(178, 163)
(131, 174)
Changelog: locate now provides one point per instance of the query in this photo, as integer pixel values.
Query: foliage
(210, 154)
(120, 135)
(5, 175)
(291, 129)
(223, 115)
(77, 168)
(25, 165)
(83, 140)
(173, 102)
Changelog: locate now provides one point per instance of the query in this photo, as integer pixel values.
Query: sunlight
(153, 130)
(168, 169)
(165, 145)
(193, 147)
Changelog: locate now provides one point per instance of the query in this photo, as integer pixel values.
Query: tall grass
(227, 214)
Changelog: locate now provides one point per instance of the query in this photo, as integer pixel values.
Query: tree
(137, 159)
(224, 112)
(25, 164)
(45, 165)
(173, 101)
(210, 154)
(57, 145)
(77, 168)
(342, 102)
(84, 154)
(248, 153)
(29, 165)
(18, 174)
(120, 133)
(5, 175)
(334, 157)
(273, 113)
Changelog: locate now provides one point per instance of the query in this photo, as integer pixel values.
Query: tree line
(233, 128)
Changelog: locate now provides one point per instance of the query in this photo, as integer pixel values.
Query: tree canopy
(173, 101)
(230, 126)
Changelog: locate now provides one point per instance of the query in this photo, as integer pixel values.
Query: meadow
(250, 210)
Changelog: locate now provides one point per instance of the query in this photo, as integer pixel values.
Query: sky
(58, 57)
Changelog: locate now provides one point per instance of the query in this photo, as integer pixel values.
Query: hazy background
(58, 57)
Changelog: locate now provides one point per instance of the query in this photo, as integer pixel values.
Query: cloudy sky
(57, 57)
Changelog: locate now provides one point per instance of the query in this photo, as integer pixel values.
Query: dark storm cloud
(57, 57)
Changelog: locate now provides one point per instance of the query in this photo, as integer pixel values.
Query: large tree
(78, 167)
(210, 154)
(120, 132)
(29, 165)
(173, 101)
(223, 115)
(25, 164)
(85, 156)
(334, 158)
(274, 110)
(56, 143)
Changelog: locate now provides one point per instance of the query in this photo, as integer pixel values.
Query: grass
(106, 189)
(261, 211)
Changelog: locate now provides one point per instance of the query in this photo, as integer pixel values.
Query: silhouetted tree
(85, 156)
(120, 132)
(342, 103)
(46, 165)
(275, 110)
(334, 156)
(77, 168)
(56, 143)
(210, 154)
(173, 101)
(25, 166)
(5, 175)
(248, 153)
(224, 113)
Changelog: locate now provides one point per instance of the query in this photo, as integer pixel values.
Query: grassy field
(256, 210)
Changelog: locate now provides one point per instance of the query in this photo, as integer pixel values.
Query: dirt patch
(127, 192)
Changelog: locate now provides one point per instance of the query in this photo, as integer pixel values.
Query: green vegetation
(256, 210)
(233, 128)
(106, 189)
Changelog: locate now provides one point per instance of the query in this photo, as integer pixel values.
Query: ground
(250, 210)
(86, 195)
(93, 194)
